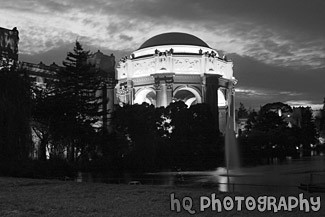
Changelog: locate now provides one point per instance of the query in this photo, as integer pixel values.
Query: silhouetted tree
(321, 121)
(166, 138)
(308, 133)
(268, 134)
(78, 105)
(193, 142)
(251, 121)
(206, 142)
(242, 111)
(42, 117)
(136, 126)
(15, 105)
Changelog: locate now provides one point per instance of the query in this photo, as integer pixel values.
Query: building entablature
(179, 64)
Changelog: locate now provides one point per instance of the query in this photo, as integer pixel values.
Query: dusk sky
(278, 47)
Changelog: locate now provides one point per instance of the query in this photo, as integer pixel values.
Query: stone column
(158, 94)
(161, 93)
(163, 86)
(130, 96)
(231, 103)
(233, 112)
(211, 83)
(223, 111)
(169, 93)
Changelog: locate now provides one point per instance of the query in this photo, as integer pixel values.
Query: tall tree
(322, 121)
(78, 103)
(308, 131)
(42, 116)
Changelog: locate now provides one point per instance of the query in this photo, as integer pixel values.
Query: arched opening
(188, 95)
(221, 99)
(145, 95)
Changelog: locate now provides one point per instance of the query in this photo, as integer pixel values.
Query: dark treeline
(175, 137)
(270, 134)
(54, 123)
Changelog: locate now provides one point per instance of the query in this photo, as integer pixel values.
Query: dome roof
(173, 38)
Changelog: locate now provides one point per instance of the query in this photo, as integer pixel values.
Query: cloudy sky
(278, 47)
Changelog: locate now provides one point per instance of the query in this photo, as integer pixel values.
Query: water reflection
(278, 177)
(283, 177)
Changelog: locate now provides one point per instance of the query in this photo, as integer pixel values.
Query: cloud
(248, 28)
(252, 92)
(259, 97)
(125, 37)
(305, 103)
(265, 92)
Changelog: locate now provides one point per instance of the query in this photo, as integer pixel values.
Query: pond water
(284, 177)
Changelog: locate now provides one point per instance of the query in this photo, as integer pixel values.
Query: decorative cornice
(141, 81)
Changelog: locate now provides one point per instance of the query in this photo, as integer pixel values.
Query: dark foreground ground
(31, 197)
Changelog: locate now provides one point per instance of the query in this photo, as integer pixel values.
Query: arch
(147, 95)
(221, 99)
(188, 95)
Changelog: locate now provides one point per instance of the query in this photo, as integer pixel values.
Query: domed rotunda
(177, 66)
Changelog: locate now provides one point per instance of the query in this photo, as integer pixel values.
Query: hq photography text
(250, 203)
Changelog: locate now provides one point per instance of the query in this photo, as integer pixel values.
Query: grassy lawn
(31, 197)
